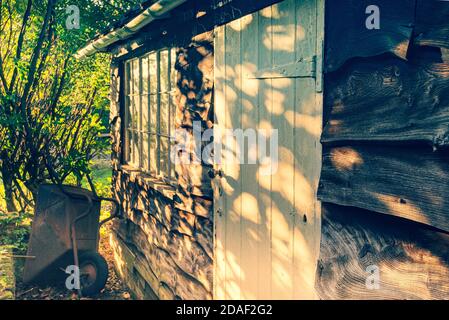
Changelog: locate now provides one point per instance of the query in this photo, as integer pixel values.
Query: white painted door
(267, 226)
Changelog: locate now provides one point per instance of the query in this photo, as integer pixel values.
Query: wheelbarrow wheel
(93, 273)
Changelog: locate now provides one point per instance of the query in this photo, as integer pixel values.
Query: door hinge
(319, 69)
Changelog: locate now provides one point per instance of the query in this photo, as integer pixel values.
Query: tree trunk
(8, 187)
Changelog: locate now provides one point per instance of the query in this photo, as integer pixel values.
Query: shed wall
(163, 246)
(384, 181)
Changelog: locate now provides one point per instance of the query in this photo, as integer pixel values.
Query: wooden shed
(353, 94)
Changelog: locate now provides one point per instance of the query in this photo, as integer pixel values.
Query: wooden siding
(431, 26)
(407, 182)
(164, 246)
(412, 260)
(385, 154)
(388, 99)
(347, 37)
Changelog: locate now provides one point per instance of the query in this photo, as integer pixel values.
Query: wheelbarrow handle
(115, 214)
(73, 233)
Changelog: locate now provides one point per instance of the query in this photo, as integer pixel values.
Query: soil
(115, 289)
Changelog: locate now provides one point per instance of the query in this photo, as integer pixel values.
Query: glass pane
(145, 155)
(139, 113)
(136, 148)
(153, 72)
(153, 154)
(133, 115)
(145, 79)
(172, 165)
(172, 115)
(129, 145)
(164, 86)
(135, 76)
(164, 118)
(128, 78)
(164, 156)
(145, 112)
(153, 114)
(173, 73)
(127, 112)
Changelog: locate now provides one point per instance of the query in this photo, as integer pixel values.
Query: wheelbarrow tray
(50, 244)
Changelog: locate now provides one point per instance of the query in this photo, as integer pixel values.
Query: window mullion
(131, 112)
(126, 113)
(169, 164)
(140, 117)
(158, 137)
(150, 79)
(145, 89)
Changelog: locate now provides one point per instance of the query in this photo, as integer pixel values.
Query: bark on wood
(412, 183)
(347, 35)
(412, 260)
(386, 97)
(431, 27)
(128, 267)
(169, 258)
(195, 68)
(390, 100)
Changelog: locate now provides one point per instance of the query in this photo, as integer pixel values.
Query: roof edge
(153, 12)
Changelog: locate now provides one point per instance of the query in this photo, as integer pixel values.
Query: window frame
(133, 103)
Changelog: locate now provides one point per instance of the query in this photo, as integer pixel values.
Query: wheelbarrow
(65, 233)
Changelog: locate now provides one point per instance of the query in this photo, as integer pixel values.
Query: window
(150, 112)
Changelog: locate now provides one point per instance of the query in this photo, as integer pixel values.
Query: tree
(52, 107)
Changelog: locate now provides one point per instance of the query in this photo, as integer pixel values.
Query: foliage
(7, 279)
(102, 175)
(15, 231)
(53, 108)
(16, 227)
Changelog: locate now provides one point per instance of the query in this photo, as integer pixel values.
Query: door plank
(265, 97)
(233, 190)
(283, 30)
(307, 123)
(219, 204)
(250, 117)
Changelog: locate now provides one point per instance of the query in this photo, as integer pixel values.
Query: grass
(7, 279)
(101, 177)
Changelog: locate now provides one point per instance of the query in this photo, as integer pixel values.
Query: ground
(6, 274)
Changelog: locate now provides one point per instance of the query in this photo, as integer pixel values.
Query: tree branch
(26, 16)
